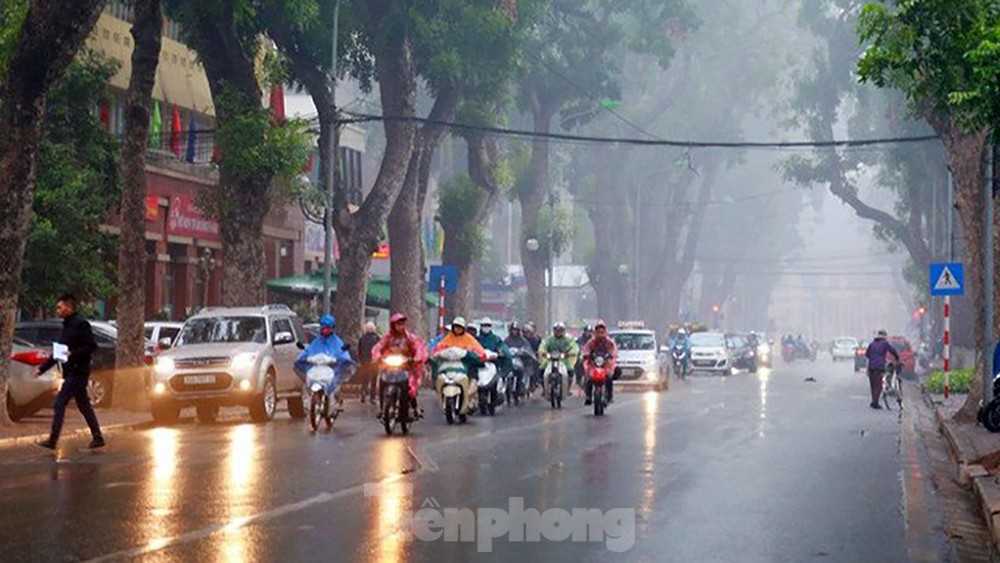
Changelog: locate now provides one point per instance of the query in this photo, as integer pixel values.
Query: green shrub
(960, 381)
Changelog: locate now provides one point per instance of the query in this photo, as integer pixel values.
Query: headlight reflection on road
(393, 505)
(763, 375)
(242, 473)
(651, 408)
(162, 490)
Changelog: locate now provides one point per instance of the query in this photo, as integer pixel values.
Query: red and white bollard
(947, 345)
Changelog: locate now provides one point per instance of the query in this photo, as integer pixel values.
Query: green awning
(379, 288)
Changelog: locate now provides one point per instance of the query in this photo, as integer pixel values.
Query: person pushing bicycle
(876, 353)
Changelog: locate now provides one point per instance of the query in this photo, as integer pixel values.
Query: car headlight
(243, 361)
(164, 366)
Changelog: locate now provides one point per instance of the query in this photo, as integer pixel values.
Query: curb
(111, 428)
(969, 473)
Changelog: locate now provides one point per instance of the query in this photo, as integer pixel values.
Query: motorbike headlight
(243, 361)
(164, 366)
(394, 361)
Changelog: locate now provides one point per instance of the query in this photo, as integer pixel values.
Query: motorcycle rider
(403, 342)
(515, 339)
(532, 336)
(491, 341)
(681, 339)
(588, 332)
(601, 344)
(876, 353)
(559, 342)
(367, 373)
(326, 343)
(459, 338)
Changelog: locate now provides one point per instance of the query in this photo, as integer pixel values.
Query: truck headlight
(243, 361)
(164, 366)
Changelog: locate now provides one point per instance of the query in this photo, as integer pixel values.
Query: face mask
(326, 332)
(487, 330)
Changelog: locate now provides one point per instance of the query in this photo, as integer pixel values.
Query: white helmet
(682, 332)
(459, 321)
(486, 322)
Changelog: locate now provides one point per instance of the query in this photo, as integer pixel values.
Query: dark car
(743, 354)
(102, 380)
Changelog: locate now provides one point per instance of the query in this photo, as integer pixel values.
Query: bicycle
(892, 386)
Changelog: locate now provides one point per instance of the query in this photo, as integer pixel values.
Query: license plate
(199, 379)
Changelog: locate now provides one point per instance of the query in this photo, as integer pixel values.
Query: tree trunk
(532, 199)
(360, 233)
(131, 308)
(50, 37)
(405, 221)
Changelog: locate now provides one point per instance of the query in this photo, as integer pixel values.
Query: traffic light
(922, 310)
(715, 308)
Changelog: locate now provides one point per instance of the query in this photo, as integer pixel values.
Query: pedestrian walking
(367, 370)
(876, 353)
(73, 351)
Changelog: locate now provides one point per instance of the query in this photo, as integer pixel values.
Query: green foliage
(559, 224)
(458, 199)
(940, 53)
(253, 146)
(77, 183)
(959, 381)
(12, 14)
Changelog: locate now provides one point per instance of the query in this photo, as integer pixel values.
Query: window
(169, 332)
(149, 333)
(281, 325)
(223, 330)
(634, 341)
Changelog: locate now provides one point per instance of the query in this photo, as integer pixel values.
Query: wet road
(764, 467)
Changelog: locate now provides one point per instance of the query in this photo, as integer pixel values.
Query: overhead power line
(684, 144)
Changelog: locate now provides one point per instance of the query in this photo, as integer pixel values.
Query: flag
(105, 116)
(192, 140)
(428, 236)
(155, 124)
(278, 103)
(175, 133)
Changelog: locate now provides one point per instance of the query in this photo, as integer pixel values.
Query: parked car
(162, 334)
(27, 394)
(710, 353)
(906, 355)
(844, 348)
(41, 334)
(230, 357)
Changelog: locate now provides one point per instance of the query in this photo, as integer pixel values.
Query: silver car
(27, 394)
(230, 357)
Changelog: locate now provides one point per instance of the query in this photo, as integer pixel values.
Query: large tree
(937, 53)
(571, 61)
(147, 30)
(253, 149)
(40, 39)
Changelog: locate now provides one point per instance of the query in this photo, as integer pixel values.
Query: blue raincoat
(331, 346)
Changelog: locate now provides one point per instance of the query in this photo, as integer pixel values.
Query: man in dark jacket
(876, 353)
(78, 338)
(367, 371)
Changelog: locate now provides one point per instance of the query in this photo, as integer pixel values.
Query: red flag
(105, 116)
(175, 133)
(278, 103)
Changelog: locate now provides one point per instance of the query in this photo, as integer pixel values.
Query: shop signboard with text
(185, 219)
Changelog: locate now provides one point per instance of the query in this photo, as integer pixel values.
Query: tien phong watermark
(615, 528)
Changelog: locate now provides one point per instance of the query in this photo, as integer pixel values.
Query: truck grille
(199, 363)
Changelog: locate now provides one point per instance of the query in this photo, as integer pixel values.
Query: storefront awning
(379, 288)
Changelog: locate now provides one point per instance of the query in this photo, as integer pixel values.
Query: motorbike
(394, 394)
(319, 382)
(517, 384)
(989, 414)
(679, 355)
(788, 353)
(556, 377)
(598, 377)
(492, 388)
(456, 390)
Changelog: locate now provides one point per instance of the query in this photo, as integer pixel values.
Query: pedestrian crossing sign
(947, 279)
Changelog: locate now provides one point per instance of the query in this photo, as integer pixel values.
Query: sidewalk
(36, 427)
(975, 456)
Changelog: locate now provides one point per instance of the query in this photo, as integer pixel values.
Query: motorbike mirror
(300, 345)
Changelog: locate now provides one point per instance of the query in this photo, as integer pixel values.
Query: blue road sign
(450, 275)
(947, 278)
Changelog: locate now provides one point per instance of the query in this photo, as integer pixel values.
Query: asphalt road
(766, 467)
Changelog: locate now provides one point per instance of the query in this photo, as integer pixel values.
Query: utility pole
(331, 171)
(552, 232)
(635, 269)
